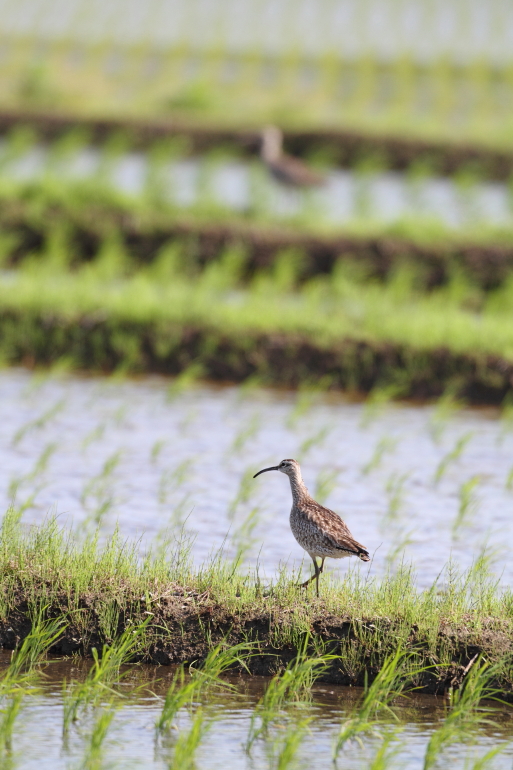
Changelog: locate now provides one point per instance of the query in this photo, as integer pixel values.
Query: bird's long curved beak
(264, 470)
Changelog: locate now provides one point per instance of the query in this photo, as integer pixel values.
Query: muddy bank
(185, 625)
(102, 344)
(342, 148)
(30, 225)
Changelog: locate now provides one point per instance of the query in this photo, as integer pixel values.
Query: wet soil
(185, 625)
(29, 224)
(99, 343)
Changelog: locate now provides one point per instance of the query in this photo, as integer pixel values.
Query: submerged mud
(185, 626)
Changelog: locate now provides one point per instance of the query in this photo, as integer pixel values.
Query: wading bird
(285, 168)
(318, 530)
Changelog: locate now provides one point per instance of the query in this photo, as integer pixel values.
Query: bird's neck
(298, 487)
(271, 147)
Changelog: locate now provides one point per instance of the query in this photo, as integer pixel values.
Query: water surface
(379, 197)
(413, 482)
(132, 743)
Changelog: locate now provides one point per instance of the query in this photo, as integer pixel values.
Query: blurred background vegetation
(130, 136)
(419, 68)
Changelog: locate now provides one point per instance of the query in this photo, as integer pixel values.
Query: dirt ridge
(344, 147)
(185, 626)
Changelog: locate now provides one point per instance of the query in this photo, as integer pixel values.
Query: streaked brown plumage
(321, 532)
(286, 168)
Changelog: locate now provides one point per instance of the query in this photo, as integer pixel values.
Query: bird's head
(290, 467)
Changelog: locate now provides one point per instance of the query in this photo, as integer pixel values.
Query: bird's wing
(293, 171)
(336, 531)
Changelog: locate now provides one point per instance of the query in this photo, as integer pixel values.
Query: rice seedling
(39, 467)
(219, 660)
(156, 450)
(385, 445)
(93, 756)
(376, 402)
(243, 492)
(282, 751)
(387, 751)
(104, 672)
(465, 712)
(96, 434)
(9, 712)
(200, 679)
(39, 422)
(506, 418)
(484, 761)
(246, 433)
(468, 503)
(97, 496)
(393, 680)
(119, 416)
(509, 480)
(186, 379)
(173, 479)
(451, 456)
(316, 439)
(307, 396)
(22, 675)
(447, 405)
(248, 386)
(394, 489)
(188, 741)
(402, 539)
(41, 637)
(291, 688)
(325, 483)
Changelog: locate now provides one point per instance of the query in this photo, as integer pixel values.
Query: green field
(100, 591)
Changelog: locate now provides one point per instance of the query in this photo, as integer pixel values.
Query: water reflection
(131, 741)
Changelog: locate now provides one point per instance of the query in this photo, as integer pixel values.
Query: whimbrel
(318, 530)
(285, 168)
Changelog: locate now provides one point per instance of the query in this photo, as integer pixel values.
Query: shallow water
(146, 456)
(132, 743)
(383, 197)
(171, 455)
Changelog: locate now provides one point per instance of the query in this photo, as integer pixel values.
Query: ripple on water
(126, 452)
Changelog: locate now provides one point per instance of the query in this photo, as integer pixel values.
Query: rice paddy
(438, 71)
(183, 320)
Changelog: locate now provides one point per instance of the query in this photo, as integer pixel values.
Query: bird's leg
(315, 576)
(317, 573)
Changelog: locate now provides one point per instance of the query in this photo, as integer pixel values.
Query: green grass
(84, 583)
(339, 331)
(325, 310)
(441, 100)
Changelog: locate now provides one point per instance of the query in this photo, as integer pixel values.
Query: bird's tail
(363, 555)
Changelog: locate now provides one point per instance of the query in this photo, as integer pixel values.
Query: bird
(320, 531)
(285, 168)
